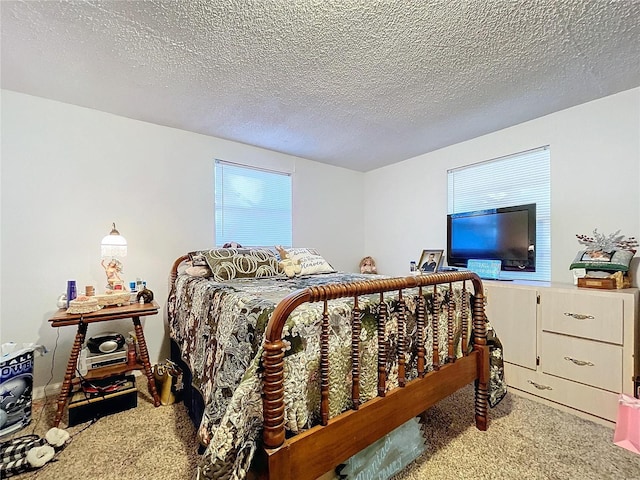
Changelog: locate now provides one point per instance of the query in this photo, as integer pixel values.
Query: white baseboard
(51, 390)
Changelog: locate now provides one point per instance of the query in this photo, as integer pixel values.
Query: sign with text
(16, 386)
(386, 457)
(487, 269)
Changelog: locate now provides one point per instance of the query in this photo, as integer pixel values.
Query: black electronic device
(87, 405)
(90, 360)
(105, 343)
(507, 234)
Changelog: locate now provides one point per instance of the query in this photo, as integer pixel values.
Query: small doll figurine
(113, 269)
(368, 265)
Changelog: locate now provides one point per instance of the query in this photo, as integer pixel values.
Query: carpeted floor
(525, 440)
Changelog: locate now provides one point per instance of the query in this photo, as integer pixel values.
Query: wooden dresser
(573, 348)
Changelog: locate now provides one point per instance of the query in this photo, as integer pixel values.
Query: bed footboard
(316, 451)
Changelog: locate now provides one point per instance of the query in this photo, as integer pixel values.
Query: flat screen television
(507, 234)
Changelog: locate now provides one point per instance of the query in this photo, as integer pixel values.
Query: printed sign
(486, 269)
(386, 457)
(16, 385)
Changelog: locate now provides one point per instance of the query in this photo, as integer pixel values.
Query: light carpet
(525, 440)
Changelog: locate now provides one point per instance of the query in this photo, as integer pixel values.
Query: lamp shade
(114, 244)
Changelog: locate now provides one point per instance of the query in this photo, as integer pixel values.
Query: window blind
(516, 179)
(252, 206)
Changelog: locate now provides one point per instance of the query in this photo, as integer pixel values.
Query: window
(252, 206)
(503, 182)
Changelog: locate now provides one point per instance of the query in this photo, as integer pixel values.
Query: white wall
(595, 167)
(69, 172)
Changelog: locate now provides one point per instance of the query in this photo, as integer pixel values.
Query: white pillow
(311, 262)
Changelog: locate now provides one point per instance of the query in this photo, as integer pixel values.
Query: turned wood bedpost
(480, 344)
(273, 370)
(173, 275)
(401, 340)
(356, 328)
(324, 366)
(465, 319)
(435, 318)
(421, 305)
(273, 393)
(382, 347)
(451, 310)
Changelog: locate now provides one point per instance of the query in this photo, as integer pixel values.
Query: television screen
(507, 234)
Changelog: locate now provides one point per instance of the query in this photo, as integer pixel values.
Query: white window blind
(507, 181)
(252, 206)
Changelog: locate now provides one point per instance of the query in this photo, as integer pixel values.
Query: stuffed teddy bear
(287, 265)
(26, 453)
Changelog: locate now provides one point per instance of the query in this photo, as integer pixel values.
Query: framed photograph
(430, 261)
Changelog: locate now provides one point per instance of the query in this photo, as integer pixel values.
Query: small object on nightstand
(145, 295)
(112, 298)
(107, 342)
(71, 291)
(132, 358)
(83, 304)
(62, 301)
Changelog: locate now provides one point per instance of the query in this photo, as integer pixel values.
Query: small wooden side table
(106, 314)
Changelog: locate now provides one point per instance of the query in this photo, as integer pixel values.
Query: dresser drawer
(594, 401)
(589, 315)
(585, 361)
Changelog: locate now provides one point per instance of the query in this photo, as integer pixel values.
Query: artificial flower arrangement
(605, 256)
(607, 243)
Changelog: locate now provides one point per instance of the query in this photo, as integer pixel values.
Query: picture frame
(430, 261)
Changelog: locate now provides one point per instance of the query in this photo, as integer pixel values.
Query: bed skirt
(191, 397)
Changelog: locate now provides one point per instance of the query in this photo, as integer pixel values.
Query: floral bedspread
(219, 327)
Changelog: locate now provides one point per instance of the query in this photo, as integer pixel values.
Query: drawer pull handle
(540, 387)
(580, 363)
(579, 316)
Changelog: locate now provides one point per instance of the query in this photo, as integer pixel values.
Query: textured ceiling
(355, 83)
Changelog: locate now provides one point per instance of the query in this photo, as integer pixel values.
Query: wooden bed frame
(320, 449)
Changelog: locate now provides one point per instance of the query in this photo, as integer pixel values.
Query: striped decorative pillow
(229, 263)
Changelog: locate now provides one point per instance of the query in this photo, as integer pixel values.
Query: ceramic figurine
(113, 269)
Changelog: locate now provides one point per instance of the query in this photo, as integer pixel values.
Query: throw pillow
(311, 262)
(229, 263)
(618, 260)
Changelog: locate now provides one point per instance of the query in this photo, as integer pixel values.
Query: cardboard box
(84, 407)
